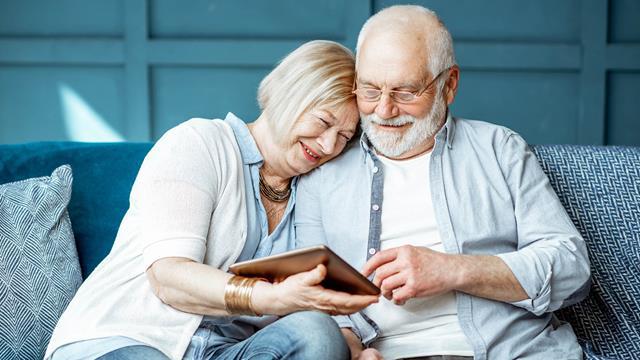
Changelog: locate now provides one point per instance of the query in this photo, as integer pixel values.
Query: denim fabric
(301, 335)
(490, 197)
(440, 357)
(259, 242)
(134, 352)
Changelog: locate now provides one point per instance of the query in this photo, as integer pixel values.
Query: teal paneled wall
(185, 92)
(53, 102)
(91, 70)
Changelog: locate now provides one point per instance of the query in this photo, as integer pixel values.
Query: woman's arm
(197, 288)
(189, 286)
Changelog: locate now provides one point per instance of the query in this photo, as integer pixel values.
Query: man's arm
(408, 271)
(549, 269)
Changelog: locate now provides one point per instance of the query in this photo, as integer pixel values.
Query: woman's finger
(310, 278)
(346, 303)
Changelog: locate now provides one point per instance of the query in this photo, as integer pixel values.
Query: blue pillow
(39, 269)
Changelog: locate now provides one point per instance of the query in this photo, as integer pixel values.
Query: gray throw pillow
(39, 269)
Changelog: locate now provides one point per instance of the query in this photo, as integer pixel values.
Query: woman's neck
(272, 169)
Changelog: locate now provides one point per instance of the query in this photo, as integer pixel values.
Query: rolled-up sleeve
(551, 261)
(172, 197)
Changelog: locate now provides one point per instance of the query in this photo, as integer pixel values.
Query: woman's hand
(304, 292)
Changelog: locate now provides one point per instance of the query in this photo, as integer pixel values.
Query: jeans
(134, 352)
(301, 335)
(440, 357)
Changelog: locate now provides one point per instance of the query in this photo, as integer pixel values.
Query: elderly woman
(211, 193)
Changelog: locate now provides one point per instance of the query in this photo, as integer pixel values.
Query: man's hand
(369, 354)
(356, 349)
(408, 271)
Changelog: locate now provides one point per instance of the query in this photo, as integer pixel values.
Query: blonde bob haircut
(318, 74)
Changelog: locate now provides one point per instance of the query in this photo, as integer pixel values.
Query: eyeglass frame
(415, 94)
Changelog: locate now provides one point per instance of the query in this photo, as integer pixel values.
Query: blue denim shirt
(490, 197)
(218, 330)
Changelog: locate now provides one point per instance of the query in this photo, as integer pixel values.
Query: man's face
(392, 63)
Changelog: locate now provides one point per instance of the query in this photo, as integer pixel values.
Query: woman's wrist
(238, 295)
(263, 300)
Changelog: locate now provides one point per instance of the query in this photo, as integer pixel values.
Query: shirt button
(375, 207)
(375, 169)
(372, 251)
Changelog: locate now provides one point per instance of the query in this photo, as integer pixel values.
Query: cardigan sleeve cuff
(193, 249)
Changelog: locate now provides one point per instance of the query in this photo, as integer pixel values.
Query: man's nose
(386, 108)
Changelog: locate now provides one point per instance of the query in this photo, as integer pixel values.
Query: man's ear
(451, 85)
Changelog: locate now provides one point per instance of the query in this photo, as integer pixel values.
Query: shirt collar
(246, 143)
(450, 129)
(447, 131)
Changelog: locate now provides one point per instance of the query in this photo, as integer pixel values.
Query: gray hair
(439, 43)
(318, 74)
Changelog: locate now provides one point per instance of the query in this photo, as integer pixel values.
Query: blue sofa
(599, 187)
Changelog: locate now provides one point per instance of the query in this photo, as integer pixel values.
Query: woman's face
(319, 135)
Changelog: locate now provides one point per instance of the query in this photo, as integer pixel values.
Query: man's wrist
(461, 272)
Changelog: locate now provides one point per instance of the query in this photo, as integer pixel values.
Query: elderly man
(467, 240)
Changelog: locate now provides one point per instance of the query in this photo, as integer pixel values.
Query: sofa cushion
(600, 188)
(39, 269)
(103, 174)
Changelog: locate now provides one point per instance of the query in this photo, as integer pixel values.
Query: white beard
(395, 144)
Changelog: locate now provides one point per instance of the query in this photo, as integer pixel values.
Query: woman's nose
(327, 142)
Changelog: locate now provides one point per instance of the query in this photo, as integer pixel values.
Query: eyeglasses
(402, 97)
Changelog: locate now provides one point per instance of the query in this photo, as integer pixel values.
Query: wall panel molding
(591, 128)
(137, 113)
(61, 51)
(587, 38)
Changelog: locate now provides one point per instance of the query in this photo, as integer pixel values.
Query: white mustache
(397, 121)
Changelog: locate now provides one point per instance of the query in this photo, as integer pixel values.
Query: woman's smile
(309, 154)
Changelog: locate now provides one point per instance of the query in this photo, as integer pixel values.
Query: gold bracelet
(237, 295)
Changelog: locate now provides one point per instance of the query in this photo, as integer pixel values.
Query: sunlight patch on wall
(82, 122)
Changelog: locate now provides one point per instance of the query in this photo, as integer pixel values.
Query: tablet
(340, 275)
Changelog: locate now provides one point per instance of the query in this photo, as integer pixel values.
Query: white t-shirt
(422, 326)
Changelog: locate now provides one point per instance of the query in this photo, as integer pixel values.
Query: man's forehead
(390, 70)
(391, 55)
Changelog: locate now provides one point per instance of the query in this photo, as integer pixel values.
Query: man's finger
(378, 259)
(402, 294)
(391, 283)
(386, 270)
